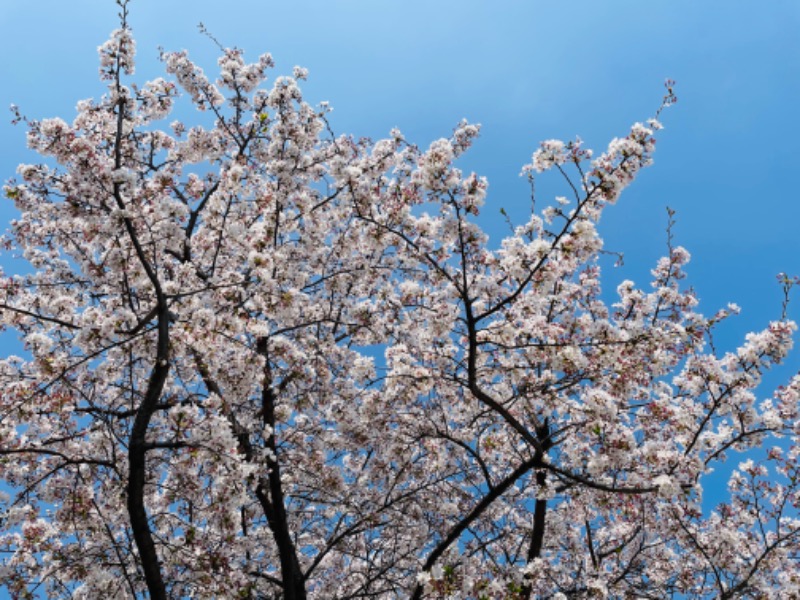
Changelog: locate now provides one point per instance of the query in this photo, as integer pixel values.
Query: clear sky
(527, 70)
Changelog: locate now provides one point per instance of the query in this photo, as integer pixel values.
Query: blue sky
(527, 70)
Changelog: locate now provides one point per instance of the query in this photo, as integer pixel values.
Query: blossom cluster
(263, 360)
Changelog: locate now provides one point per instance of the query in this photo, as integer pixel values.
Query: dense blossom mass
(266, 361)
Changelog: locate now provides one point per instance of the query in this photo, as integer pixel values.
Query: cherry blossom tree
(267, 361)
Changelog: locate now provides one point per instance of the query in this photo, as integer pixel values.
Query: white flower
(550, 154)
(300, 73)
(667, 486)
(423, 577)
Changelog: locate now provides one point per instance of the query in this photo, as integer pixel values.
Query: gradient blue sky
(527, 70)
